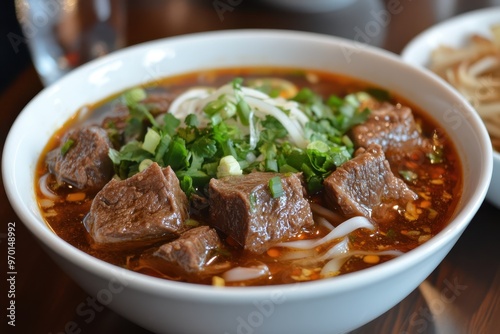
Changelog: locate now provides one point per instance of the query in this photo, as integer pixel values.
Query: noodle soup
(250, 176)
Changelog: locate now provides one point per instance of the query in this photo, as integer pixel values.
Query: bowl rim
(199, 292)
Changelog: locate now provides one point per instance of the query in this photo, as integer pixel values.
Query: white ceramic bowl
(329, 306)
(455, 32)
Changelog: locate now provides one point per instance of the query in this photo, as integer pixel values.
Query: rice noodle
(483, 65)
(44, 188)
(308, 253)
(295, 131)
(330, 215)
(391, 252)
(295, 254)
(342, 248)
(339, 249)
(254, 93)
(194, 100)
(238, 274)
(324, 222)
(492, 126)
(254, 132)
(474, 70)
(332, 267)
(46, 203)
(488, 109)
(185, 103)
(340, 231)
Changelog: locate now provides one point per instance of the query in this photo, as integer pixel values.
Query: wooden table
(461, 296)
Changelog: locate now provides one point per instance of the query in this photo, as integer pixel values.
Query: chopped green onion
(287, 169)
(114, 155)
(145, 164)
(222, 107)
(242, 107)
(347, 141)
(244, 111)
(228, 166)
(271, 165)
(151, 141)
(275, 187)
(436, 156)
(391, 234)
(228, 148)
(191, 222)
(134, 95)
(66, 146)
(408, 175)
(216, 119)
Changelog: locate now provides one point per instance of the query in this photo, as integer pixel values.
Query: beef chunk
(243, 208)
(365, 182)
(198, 205)
(158, 103)
(148, 205)
(192, 250)
(392, 127)
(85, 163)
(117, 119)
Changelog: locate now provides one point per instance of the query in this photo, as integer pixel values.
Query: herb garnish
(260, 133)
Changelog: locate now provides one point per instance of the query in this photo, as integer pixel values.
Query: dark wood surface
(461, 296)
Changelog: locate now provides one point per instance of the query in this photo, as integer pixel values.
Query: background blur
(345, 18)
(12, 62)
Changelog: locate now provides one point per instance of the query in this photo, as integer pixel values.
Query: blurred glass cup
(63, 34)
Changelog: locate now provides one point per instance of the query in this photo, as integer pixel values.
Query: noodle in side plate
(474, 70)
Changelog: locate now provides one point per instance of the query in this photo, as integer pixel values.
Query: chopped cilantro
(231, 127)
